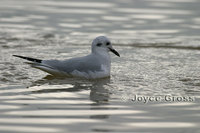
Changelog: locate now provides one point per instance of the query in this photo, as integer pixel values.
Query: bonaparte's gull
(95, 65)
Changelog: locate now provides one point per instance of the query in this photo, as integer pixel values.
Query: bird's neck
(104, 59)
(103, 54)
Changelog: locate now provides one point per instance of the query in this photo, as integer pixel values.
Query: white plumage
(95, 65)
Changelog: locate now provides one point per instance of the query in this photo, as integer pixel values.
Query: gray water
(159, 44)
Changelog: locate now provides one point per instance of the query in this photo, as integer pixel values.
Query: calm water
(159, 44)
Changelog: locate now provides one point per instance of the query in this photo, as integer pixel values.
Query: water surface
(159, 44)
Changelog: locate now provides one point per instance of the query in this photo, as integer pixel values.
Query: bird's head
(102, 44)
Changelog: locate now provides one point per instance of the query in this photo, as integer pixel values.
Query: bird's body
(88, 66)
(95, 65)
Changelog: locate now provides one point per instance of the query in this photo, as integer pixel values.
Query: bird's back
(82, 64)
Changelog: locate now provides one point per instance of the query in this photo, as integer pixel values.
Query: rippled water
(159, 44)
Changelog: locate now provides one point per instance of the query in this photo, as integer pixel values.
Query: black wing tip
(29, 59)
(23, 57)
(17, 56)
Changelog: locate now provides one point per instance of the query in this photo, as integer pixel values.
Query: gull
(95, 65)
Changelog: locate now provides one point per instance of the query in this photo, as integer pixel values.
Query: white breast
(105, 72)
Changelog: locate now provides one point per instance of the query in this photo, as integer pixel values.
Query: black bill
(114, 51)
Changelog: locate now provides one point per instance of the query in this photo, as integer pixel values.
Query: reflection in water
(98, 91)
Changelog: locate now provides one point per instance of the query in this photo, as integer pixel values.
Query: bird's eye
(99, 44)
(108, 43)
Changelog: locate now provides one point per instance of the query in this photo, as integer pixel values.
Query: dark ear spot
(99, 44)
(108, 43)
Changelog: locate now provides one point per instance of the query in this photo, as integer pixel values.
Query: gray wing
(82, 64)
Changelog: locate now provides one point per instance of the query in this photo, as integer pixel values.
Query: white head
(102, 44)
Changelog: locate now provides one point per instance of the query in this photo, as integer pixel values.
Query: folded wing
(65, 67)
